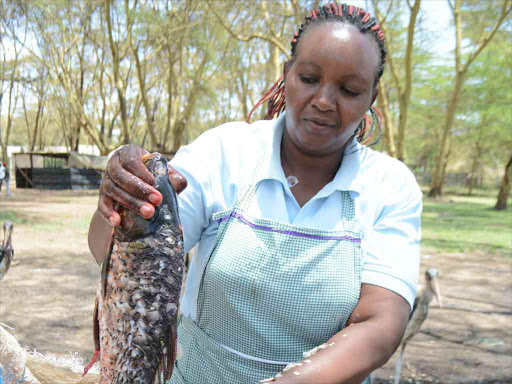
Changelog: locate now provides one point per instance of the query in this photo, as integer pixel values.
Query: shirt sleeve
(190, 161)
(392, 245)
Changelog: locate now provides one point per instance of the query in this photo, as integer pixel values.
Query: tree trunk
(405, 94)
(36, 124)
(437, 176)
(76, 139)
(389, 129)
(276, 64)
(150, 121)
(474, 168)
(460, 74)
(10, 115)
(505, 187)
(117, 76)
(178, 129)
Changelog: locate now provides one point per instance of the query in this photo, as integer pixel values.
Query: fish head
(167, 212)
(134, 226)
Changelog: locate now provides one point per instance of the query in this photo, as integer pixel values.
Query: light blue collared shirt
(219, 167)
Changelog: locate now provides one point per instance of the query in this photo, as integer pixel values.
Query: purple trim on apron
(291, 233)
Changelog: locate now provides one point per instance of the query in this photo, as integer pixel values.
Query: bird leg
(398, 366)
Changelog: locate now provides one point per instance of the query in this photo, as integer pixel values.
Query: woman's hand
(128, 182)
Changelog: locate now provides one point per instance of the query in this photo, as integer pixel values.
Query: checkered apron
(270, 291)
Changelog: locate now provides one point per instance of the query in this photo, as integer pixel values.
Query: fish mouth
(167, 211)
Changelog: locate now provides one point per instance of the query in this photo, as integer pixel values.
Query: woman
(305, 237)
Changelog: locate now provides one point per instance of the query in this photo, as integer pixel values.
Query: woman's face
(329, 87)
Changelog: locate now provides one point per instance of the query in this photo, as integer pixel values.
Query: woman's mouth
(319, 125)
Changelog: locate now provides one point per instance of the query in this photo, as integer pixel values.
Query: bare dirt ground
(48, 296)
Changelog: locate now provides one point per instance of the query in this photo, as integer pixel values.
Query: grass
(455, 223)
(78, 224)
(11, 216)
(459, 223)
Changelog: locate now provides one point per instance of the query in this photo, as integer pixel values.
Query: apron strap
(243, 204)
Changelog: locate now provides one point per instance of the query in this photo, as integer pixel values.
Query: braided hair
(332, 12)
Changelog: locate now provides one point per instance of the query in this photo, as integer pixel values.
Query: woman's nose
(324, 99)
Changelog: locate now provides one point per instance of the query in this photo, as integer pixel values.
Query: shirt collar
(346, 178)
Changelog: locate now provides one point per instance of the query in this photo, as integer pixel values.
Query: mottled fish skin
(138, 299)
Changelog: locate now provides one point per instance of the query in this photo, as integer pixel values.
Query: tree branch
(410, 39)
(270, 39)
(388, 47)
(483, 41)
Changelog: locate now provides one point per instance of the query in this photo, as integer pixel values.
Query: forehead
(341, 44)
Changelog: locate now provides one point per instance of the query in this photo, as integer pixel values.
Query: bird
(6, 251)
(419, 313)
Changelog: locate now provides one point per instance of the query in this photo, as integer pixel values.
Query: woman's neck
(313, 172)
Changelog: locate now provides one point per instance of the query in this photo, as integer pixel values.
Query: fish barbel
(138, 298)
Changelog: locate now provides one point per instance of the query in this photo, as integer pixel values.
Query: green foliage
(460, 223)
(481, 136)
(67, 64)
(12, 216)
(487, 98)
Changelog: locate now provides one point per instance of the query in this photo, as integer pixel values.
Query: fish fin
(94, 358)
(96, 334)
(96, 325)
(171, 351)
(105, 267)
(166, 365)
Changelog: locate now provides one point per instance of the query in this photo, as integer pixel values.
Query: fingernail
(146, 210)
(154, 199)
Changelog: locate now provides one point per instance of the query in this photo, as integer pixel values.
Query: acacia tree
(38, 88)
(61, 32)
(105, 110)
(11, 20)
(481, 40)
(269, 31)
(403, 84)
(389, 126)
(119, 51)
(270, 24)
(486, 107)
(185, 59)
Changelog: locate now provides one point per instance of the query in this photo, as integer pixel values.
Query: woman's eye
(307, 79)
(349, 91)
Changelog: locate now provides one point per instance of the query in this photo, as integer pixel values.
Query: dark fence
(58, 178)
(82, 178)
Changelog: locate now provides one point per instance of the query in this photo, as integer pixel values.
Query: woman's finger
(107, 210)
(130, 158)
(127, 200)
(178, 181)
(133, 185)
